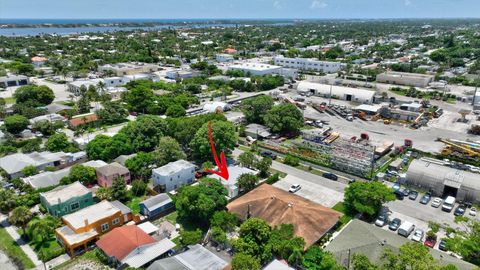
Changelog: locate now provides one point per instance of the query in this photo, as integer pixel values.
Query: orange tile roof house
(276, 206)
(82, 120)
(84, 227)
(131, 246)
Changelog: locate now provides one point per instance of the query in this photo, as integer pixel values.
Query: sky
(230, 9)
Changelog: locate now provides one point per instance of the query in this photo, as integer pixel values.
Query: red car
(430, 242)
(200, 174)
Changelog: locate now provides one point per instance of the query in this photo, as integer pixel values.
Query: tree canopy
(284, 118)
(224, 137)
(367, 197)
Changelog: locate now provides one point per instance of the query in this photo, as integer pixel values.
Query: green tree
(7, 200)
(34, 95)
(285, 244)
(367, 197)
(224, 220)
(263, 166)
(317, 259)
(361, 262)
(256, 108)
(291, 160)
(219, 235)
(145, 133)
(112, 113)
(247, 159)
(104, 193)
(140, 165)
(175, 110)
(224, 137)
(20, 216)
(16, 123)
(200, 202)
(284, 118)
(139, 188)
(466, 241)
(119, 189)
(83, 174)
(57, 142)
(46, 127)
(190, 237)
(242, 261)
(247, 181)
(29, 170)
(254, 238)
(168, 150)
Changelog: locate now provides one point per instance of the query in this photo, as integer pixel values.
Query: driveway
(311, 190)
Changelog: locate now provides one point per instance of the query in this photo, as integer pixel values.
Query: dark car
(330, 176)
(394, 224)
(268, 154)
(406, 192)
(460, 211)
(442, 245)
(399, 193)
(413, 195)
(425, 198)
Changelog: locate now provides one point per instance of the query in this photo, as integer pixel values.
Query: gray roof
(14, 163)
(157, 201)
(95, 163)
(91, 214)
(196, 258)
(146, 253)
(112, 168)
(55, 108)
(64, 193)
(122, 158)
(425, 172)
(364, 238)
(173, 167)
(46, 179)
(278, 265)
(122, 207)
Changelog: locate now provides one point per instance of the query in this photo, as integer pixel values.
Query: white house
(13, 80)
(231, 184)
(223, 57)
(308, 64)
(173, 175)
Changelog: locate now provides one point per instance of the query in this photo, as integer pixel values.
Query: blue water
(162, 24)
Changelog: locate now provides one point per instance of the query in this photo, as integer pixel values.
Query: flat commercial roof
(173, 167)
(254, 66)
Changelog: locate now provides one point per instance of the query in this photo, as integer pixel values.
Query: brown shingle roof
(309, 219)
(112, 169)
(83, 120)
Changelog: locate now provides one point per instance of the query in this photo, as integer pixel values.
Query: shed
(156, 205)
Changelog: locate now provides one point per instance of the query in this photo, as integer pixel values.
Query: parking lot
(315, 192)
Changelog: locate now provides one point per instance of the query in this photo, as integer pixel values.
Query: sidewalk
(23, 245)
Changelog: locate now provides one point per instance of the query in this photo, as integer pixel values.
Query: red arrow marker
(221, 164)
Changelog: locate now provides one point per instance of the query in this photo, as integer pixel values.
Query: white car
(437, 202)
(294, 188)
(418, 235)
(472, 212)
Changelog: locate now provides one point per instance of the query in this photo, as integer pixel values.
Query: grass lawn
(10, 100)
(172, 217)
(340, 207)
(134, 204)
(11, 248)
(51, 248)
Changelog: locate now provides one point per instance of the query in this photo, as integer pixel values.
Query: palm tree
(20, 216)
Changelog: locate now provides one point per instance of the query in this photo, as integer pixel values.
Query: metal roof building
(444, 181)
(195, 258)
(338, 92)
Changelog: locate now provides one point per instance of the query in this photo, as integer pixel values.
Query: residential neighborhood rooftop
(63, 193)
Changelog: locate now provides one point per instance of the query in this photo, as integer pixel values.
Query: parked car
(294, 188)
(406, 192)
(330, 176)
(473, 212)
(200, 174)
(394, 224)
(430, 241)
(418, 235)
(460, 211)
(406, 229)
(437, 202)
(399, 194)
(443, 245)
(396, 186)
(268, 154)
(381, 220)
(425, 198)
(448, 204)
(413, 195)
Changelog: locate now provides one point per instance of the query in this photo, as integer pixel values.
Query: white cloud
(277, 4)
(318, 4)
(408, 2)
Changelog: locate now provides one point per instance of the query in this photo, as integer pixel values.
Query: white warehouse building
(260, 69)
(337, 92)
(308, 64)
